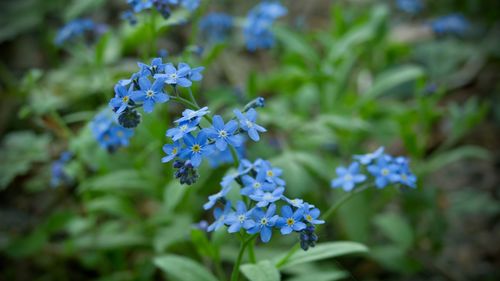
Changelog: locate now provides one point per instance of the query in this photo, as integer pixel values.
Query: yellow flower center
(120, 133)
(196, 148)
(309, 218)
(348, 177)
(385, 172)
(125, 99)
(256, 185)
(174, 150)
(270, 173)
(290, 221)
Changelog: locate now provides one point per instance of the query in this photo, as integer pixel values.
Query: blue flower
(455, 24)
(219, 158)
(121, 100)
(240, 218)
(265, 198)
(215, 27)
(290, 220)
(172, 150)
(130, 17)
(193, 74)
(193, 115)
(384, 172)
(196, 149)
(190, 4)
(108, 133)
(59, 175)
(247, 123)
(174, 77)
(224, 133)
(212, 199)
(252, 185)
(272, 174)
(311, 215)
(366, 159)
(257, 30)
(348, 178)
(410, 6)
(181, 130)
(73, 29)
(297, 202)
(405, 176)
(264, 222)
(150, 94)
(139, 5)
(220, 217)
(156, 66)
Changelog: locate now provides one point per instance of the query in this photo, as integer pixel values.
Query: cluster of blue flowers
(262, 190)
(191, 143)
(215, 27)
(59, 175)
(108, 133)
(162, 6)
(146, 88)
(410, 6)
(383, 168)
(454, 24)
(78, 28)
(259, 21)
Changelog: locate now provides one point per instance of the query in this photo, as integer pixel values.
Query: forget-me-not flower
(384, 172)
(181, 130)
(265, 198)
(290, 220)
(240, 218)
(247, 123)
(220, 217)
(193, 115)
(121, 100)
(366, 159)
(150, 94)
(196, 149)
(264, 222)
(311, 214)
(251, 185)
(223, 133)
(212, 199)
(172, 150)
(348, 178)
(174, 77)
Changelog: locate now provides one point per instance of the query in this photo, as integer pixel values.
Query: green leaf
(325, 251)
(321, 276)
(18, 152)
(445, 158)
(390, 79)
(262, 271)
(183, 269)
(119, 180)
(396, 228)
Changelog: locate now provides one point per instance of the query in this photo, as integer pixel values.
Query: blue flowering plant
(164, 7)
(262, 207)
(376, 168)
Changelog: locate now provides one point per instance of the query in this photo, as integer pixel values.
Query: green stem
(343, 200)
(236, 269)
(251, 252)
(234, 154)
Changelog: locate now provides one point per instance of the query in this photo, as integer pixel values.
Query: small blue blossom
(272, 173)
(240, 218)
(406, 177)
(77, 28)
(265, 198)
(220, 217)
(366, 159)
(384, 172)
(156, 66)
(150, 94)
(196, 149)
(193, 74)
(59, 175)
(212, 199)
(140, 5)
(257, 29)
(264, 222)
(247, 123)
(252, 185)
(311, 214)
(191, 5)
(215, 27)
(172, 150)
(108, 133)
(193, 115)
(121, 100)
(176, 77)
(454, 24)
(290, 220)
(224, 133)
(410, 6)
(181, 130)
(348, 178)
(297, 202)
(130, 17)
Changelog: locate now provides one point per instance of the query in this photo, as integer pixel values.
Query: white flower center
(150, 93)
(222, 134)
(348, 177)
(385, 172)
(241, 218)
(249, 124)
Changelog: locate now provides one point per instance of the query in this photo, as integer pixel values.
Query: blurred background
(343, 78)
